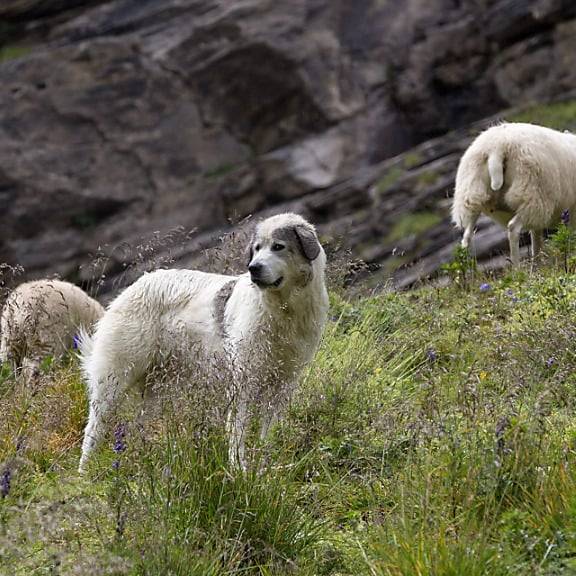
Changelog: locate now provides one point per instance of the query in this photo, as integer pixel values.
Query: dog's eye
(277, 247)
(257, 247)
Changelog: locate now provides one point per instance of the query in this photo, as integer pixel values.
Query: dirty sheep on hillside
(264, 325)
(521, 175)
(40, 319)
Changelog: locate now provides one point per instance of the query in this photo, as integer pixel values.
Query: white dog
(521, 175)
(40, 319)
(265, 325)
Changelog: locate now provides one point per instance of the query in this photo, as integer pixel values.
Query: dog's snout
(255, 268)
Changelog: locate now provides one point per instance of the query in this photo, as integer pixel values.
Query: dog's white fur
(40, 319)
(264, 333)
(521, 175)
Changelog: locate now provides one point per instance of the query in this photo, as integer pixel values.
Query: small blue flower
(431, 354)
(550, 362)
(76, 342)
(5, 479)
(116, 464)
(512, 296)
(119, 438)
(485, 287)
(565, 217)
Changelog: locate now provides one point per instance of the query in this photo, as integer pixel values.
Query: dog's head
(284, 252)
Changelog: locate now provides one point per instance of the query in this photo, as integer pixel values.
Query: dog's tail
(84, 345)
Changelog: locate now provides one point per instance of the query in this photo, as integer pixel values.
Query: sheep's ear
(309, 244)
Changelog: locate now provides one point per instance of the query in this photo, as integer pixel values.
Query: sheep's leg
(537, 238)
(468, 233)
(106, 396)
(30, 369)
(514, 230)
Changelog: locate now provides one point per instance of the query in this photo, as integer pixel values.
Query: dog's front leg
(272, 411)
(237, 427)
(270, 417)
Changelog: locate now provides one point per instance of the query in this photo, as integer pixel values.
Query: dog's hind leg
(105, 398)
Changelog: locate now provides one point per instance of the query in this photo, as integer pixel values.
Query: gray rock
(124, 120)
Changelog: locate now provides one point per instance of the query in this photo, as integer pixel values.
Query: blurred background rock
(144, 130)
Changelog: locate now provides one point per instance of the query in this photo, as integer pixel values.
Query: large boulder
(121, 120)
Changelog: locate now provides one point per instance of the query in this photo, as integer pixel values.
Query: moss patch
(412, 159)
(561, 115)
(13, 52)
(220, 171)
(413, 224)
(427, 179)
(390, 178)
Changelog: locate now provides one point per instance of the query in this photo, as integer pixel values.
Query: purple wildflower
(512, 296)
(550, 362)
(76, 342)
(119, 438)
(431, 354)
(5, 482)
(485, 287)
(565, 217)
(116, 464)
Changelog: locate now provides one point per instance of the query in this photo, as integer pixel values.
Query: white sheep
(521, 175)
(40, 319)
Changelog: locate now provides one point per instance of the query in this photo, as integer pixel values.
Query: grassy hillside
(435, 434)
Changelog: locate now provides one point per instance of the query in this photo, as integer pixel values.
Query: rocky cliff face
(124, 119)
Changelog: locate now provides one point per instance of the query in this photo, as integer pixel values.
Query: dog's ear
(308, 241)
(250, 251)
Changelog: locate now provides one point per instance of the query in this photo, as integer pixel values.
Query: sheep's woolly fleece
(521, 175)
(41, 318)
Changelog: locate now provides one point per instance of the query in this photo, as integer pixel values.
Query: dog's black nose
(255, 269)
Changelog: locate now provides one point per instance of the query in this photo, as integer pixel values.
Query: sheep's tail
(496, 170)
(477, 179)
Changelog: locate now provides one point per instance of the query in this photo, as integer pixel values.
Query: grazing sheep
(521, 175)
(264, 326)
(40, 319)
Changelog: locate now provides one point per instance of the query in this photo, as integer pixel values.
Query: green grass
(434, 434)
(561, 115)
